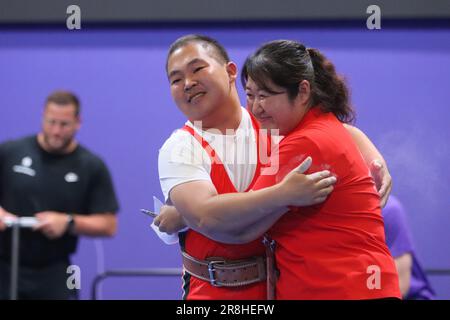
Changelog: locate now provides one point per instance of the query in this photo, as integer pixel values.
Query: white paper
(167, 238)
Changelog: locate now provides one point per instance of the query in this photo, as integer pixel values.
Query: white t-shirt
(182, 158)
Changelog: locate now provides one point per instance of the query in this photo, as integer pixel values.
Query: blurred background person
(66, 187)
(412, 279)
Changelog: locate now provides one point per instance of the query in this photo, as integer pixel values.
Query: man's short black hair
(63, 98)
(218, 51)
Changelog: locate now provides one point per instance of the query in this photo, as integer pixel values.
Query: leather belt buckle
(212, 272)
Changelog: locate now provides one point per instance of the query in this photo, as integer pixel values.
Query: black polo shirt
(33, 180)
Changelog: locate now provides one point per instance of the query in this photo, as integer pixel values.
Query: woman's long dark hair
(286, 63)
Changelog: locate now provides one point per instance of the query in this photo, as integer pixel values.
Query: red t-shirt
(335, 250)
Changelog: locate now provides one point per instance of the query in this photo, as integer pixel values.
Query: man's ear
(232, 71)
(78, 123)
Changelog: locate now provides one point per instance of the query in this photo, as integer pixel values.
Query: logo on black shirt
(71, 177)
(25, 167)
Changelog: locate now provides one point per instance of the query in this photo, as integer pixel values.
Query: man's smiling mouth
(195, 96)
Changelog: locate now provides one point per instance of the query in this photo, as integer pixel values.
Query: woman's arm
(375, 162)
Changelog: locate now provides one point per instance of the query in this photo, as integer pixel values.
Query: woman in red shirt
(337, 249)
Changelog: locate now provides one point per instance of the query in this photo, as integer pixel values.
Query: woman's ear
(232, 71)
(304, 90)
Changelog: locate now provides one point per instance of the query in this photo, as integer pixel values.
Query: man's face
(59, 126)
(199, 83)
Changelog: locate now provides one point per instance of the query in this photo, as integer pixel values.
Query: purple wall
(399, 79)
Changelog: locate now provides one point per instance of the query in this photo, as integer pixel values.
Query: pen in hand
(149, 213)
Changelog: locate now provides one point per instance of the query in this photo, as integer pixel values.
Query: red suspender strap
(209, 150)
(219, 175)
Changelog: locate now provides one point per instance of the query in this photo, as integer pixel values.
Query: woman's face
(273, 109)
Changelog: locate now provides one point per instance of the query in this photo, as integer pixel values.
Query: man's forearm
(98, 224)
(249, 233)
(232, 213)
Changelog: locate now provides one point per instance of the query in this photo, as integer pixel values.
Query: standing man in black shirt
(66, 187)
